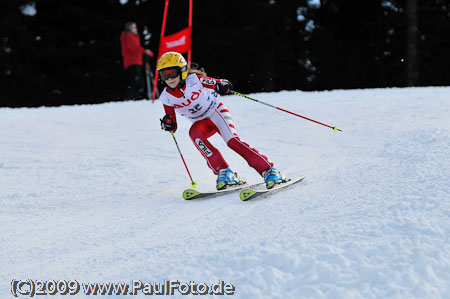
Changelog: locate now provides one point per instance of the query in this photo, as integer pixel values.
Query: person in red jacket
(132, 54)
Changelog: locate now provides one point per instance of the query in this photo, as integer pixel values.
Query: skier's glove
(223, 87)
(167, 123)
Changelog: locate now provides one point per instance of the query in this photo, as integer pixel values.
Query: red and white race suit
(197, 101)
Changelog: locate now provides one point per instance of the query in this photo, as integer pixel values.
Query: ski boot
(226, 177)
(273, 177)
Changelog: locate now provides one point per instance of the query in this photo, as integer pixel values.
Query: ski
(248, 193)
(190, 194)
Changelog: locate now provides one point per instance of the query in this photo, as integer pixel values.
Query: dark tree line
(69, 51)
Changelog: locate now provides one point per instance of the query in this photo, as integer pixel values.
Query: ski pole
(193, 184)
(284, 110)
(147, 80)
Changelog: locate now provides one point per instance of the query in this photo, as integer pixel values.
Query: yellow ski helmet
(173, 59)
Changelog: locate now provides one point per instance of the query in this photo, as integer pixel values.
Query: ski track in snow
(93, 193)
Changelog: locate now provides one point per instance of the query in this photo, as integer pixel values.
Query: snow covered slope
(93, 194)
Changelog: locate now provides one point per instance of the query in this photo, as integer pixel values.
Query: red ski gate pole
(284, 110)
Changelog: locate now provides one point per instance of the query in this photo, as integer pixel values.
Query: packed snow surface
(92, 193)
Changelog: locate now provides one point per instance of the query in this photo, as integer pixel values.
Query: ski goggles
(173, 72)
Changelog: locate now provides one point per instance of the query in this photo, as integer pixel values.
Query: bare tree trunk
(381, 46)
(412, 46)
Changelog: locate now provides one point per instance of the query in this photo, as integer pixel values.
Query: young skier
(197, 97)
